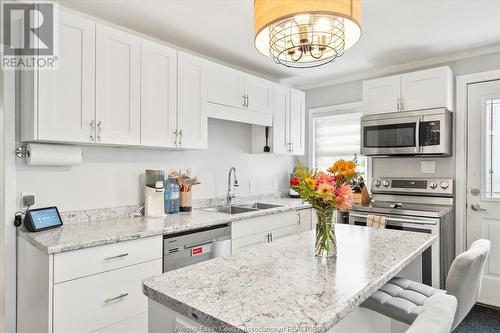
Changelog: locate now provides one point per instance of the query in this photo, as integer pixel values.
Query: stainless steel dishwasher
(191, 247)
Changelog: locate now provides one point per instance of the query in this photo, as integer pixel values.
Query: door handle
(477, 208)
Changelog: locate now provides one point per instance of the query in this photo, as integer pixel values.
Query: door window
(491, 135)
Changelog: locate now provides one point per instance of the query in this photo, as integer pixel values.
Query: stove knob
(433, 185)
(386, 183)
(444, 185)
(376, 183)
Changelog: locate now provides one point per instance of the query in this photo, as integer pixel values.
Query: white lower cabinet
(91, 303)
(266, 229)
(304, 220)
(87, 290)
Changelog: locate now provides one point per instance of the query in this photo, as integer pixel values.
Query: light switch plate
(428, 166)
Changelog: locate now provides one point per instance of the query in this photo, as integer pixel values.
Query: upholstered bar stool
(403, 299)
(437, 316)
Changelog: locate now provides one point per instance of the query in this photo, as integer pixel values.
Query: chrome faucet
(230, 196)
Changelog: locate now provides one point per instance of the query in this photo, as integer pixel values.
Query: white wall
(352, 92)
(111, 177)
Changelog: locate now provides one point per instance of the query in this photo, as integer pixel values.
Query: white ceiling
(395, 32)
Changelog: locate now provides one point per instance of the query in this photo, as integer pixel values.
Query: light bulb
(302, 19)
(323, 25)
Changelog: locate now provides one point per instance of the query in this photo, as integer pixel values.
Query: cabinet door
(249, 241)
(118, 85)
(382, 95)
(304, 220)
(430, 88)
(225, 85)
(66, 95)
(158, 95)
(259, 94)
(192, 101)
(281, 122)
(283, 232)
(297, 121)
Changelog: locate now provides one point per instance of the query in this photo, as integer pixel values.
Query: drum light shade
(306, 33)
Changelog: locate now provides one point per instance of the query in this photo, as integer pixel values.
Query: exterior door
(483, 180)
(118, 87)
(192, 101)
(66, 109)
(158, 95)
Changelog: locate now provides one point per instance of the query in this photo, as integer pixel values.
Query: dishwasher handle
(189, 247)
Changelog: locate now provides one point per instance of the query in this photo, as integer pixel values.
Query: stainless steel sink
(233, 209)
(260, 205)
(243, 208)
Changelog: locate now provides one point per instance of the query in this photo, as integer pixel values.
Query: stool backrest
(465, 276)
(437, 315)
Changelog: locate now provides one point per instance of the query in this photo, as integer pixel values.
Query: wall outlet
(428, 166)
(275, 184)
(23, 194)
(251, 187)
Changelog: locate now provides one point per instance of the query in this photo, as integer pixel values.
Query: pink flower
(344, 197)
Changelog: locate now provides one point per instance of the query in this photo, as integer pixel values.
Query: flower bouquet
(326, 192)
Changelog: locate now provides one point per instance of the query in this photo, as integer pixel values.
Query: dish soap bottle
(171, 196)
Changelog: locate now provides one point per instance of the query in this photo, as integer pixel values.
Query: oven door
(390, 136)
(430, 257)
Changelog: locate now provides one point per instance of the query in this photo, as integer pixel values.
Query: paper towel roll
(57, 155)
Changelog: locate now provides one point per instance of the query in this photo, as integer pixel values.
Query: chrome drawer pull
(107, 300)
(117, 256)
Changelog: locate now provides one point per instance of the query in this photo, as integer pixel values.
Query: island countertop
(283, 286)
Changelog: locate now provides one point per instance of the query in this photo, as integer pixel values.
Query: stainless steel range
(420, 205)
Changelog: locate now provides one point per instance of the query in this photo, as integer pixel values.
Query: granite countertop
(281, 286)
(82, 235)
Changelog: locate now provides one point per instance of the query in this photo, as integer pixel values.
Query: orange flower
(346, 169)
(311, 182)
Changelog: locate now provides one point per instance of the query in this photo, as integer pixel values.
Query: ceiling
(395, 32)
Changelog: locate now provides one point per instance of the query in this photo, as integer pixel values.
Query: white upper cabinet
(158, 95)
(118, 74)
(60, 104)
(297, 121)
(425, 89)
(192, 101)
(259, 94)
(225, 85)
(281, 119)
(382, 95)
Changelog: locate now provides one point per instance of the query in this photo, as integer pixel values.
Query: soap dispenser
(154, 200)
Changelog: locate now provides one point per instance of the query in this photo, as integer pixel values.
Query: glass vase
(326, 244)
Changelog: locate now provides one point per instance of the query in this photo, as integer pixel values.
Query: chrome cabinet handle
(180, 138)
(271, 234)
(99, 127)
(477, 208)
(299, 221)
(174, 140)
(117, 256)
(398, 104)
(402, 108)
(244, 100)
(268, 237)
(111, 299)
(248, 101)
(92, 131)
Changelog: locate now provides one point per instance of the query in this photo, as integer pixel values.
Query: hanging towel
(375, 221)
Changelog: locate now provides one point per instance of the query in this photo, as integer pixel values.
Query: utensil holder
(185, 202)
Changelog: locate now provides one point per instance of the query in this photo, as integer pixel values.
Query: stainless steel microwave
(423, 132)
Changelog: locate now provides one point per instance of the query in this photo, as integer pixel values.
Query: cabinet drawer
(262, 224)
(87, 304)
(75, 264)
(135, 324)
(283, 232)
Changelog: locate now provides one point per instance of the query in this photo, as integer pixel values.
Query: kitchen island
(282, 286)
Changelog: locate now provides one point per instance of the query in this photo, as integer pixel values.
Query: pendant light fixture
(306, 33)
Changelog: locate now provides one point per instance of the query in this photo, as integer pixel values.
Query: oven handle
(396, 219)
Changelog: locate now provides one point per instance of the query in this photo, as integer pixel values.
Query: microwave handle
(417, 135)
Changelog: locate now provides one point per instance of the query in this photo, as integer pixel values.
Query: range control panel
(423, 186)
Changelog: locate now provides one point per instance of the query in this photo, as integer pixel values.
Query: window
(335, 137)
(492, 148)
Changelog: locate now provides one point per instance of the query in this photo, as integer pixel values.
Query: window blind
(338, 137)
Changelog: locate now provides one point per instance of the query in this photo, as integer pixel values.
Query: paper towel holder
(22, 151)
